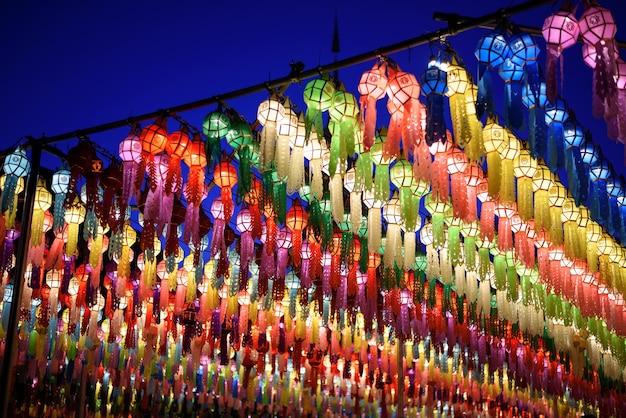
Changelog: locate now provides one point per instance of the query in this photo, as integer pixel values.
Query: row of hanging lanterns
(444, 283)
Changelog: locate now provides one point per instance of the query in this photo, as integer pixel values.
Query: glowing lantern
(270, 114)
(215, 126)
(318, 96)
(297, 219)
(524, 53)
(434, 83)
(344, 118)
(59, 186)
(372, 87)
(458, 83)
(437, 210)
(382, 162)
(195, 189)
(314, 151)
(176, 148)
(393, 243)
(491, 52)
(43, 201)
(287, 130)
(153, 139)
(598, 29)
(74, 216)
(16, 166)
(560, 30)
(524, 168)
(402, 178)
(496, 140)
(225, 177)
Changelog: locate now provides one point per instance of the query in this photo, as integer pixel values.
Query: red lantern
(405, 109)
(153, 140)
(225, 178)
(297, 219)
(176, 148)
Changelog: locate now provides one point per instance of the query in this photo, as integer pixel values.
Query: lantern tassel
(552, 59)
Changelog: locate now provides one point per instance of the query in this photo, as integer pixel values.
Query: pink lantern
(560, 30)
(244, 226)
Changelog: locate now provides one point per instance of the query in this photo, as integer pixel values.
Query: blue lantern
(491, 51)
(434, 83)
(59, 186)
(556, 114)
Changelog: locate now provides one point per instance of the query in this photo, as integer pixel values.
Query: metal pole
(453, 28)
(10, 351)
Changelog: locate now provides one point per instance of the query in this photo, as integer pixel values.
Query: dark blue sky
(72, 64)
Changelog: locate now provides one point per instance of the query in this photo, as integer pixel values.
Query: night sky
(69, 65)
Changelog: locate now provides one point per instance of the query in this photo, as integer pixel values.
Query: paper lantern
(372, 87)
(343, 115)
(314, 152)
(130, 151)
(297, 219)
(491, 52)
(318, 96)
(270, 114)
(560, 31)
(195, 188)
(298, 143)
(74, 216)
(215, 126)
(393, 243)
(496, 140)
(59, 186)
(524, 168)
(176, 148)
(153, 139)
(43, 201)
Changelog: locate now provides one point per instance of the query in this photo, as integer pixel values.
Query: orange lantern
(297, 219)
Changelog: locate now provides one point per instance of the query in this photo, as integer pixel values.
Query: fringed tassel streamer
(393, 246)
(552, 59)
(556, 229)
(409, 249)
(356, 215)
(391, 146)
(435, 123)
(336, 197)
(505, 236)
(316, 179)
(374, 229)
(296, 170)
(439, 176)
(268, 145)
(244, 171)
(484, 101)
(422, 162)
(460, 204)
(513, 108)
(409, 204)
(542, 210)
(507, 187)
(368, 109)
(283, 155)
(494, 173)
(487, 220)
(364, 171)
(525, 198)
(382, 188)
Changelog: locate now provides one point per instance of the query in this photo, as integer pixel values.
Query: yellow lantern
(524, 168)
(74, 216)
(43, 201)
(269, 114)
